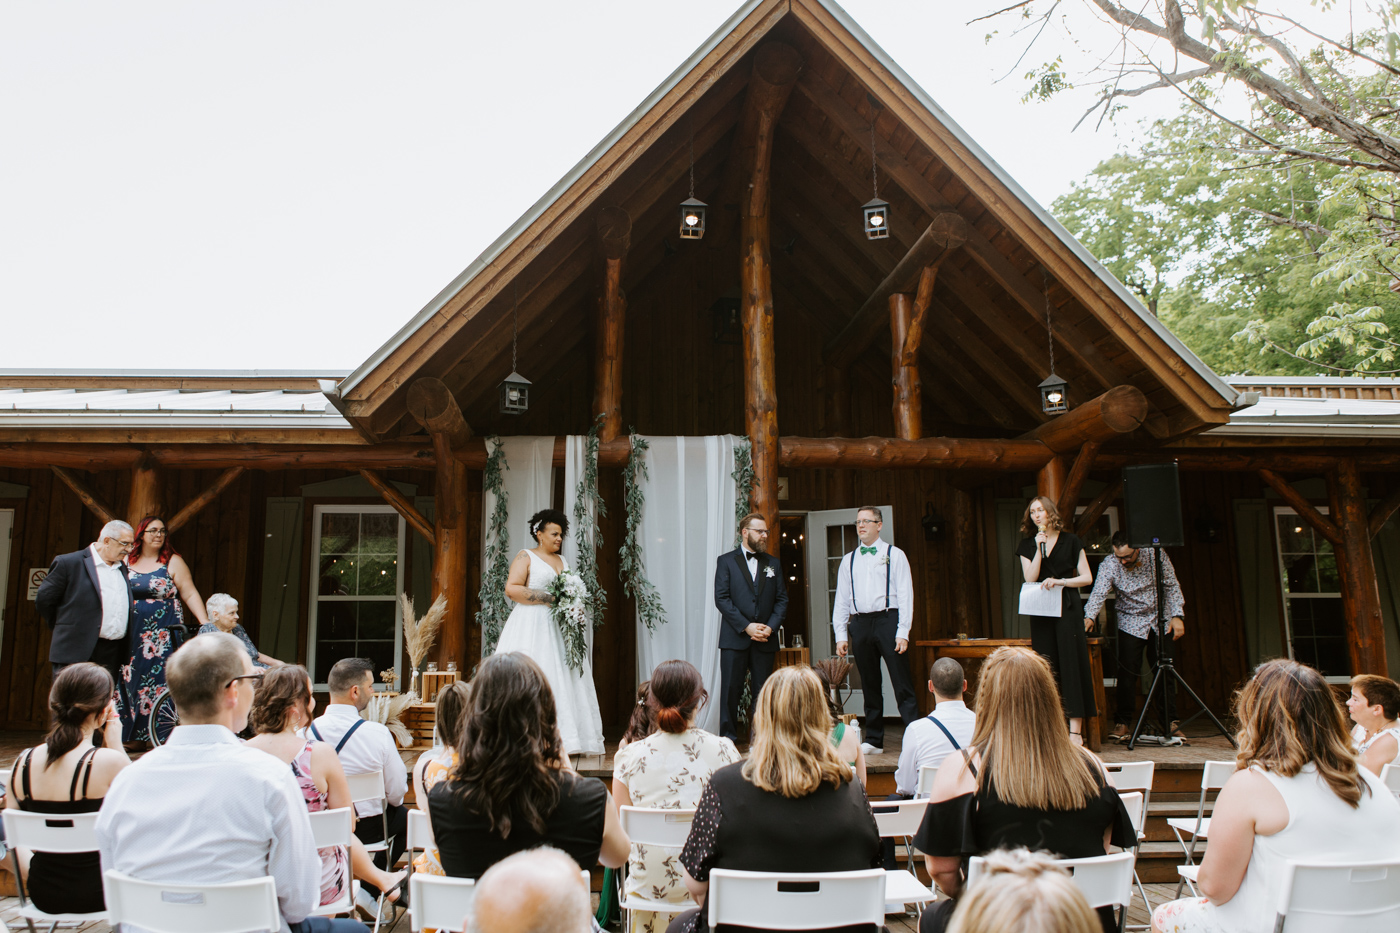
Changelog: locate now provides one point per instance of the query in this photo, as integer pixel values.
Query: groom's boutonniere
(768, 571)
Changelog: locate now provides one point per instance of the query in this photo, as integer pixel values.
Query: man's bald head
(535, 891)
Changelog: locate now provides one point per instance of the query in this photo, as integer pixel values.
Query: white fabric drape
(528, 482)
(575, 463)
(687, 523)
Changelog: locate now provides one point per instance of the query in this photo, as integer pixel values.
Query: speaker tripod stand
(1165, 672)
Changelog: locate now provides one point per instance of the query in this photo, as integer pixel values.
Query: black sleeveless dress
(1061, 640)
(63, 882)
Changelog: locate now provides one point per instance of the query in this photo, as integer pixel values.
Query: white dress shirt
(870, 588)
(206, 809)
(751, 561)
(926, 745)
(371, 748)
(116, 597)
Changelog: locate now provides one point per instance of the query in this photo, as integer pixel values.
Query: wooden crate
(419, 720)
(433, 681)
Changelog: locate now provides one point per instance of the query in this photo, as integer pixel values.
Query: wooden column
(1357, 568)
(145, 498)
(775, 70)
(1078, 473)
(1050, 481)
(614, 237)
(907, 316)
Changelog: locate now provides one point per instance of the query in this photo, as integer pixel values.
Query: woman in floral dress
(160, 579)
(667, 770)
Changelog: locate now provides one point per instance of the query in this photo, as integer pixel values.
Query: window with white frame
(357, 578)
(1312, 596)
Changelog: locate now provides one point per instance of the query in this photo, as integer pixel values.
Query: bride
(532, 631)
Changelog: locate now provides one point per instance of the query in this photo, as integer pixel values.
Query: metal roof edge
(29, 372)
(536, 210)
(1311, 380)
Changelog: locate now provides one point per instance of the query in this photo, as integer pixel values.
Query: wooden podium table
(973, 651)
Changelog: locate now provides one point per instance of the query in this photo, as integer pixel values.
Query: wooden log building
(901, 371)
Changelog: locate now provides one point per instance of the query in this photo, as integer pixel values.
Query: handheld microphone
(1043, 554)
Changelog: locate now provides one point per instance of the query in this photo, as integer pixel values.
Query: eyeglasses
(257, 676)
(868, 521)
(1128, 558)
(124, 545)
(156, 531)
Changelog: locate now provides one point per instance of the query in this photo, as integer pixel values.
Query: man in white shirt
(873, 614)
(86, 600)
(205, 808)
(365, 746)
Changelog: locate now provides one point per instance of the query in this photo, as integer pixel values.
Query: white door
(830, 536)
(7, 526)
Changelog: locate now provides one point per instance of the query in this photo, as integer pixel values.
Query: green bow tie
(868, 550)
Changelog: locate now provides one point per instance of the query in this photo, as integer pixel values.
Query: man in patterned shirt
(1131, 574)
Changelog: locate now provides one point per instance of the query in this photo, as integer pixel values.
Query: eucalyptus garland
(495, 607)
(634, 580)
(590, 534)
(743, 477)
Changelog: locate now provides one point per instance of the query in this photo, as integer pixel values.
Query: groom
(752, 602)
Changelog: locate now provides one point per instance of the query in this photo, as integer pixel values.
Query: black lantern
(877, 219)
(1054, 395)
(693, 219)
(933, 523)
(515, 395)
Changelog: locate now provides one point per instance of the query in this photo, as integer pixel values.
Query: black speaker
(1152, 496)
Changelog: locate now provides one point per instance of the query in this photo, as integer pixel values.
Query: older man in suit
(86, 600)
(752, 602)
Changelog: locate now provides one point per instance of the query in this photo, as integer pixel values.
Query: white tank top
(1393, 731)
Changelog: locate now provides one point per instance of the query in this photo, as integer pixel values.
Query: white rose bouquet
(570, 612)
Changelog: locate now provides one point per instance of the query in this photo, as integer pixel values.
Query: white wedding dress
(531, 630)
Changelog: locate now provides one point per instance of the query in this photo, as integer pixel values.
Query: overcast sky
(279, 185)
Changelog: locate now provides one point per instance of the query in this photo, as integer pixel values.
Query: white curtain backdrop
(687, 523)
(575, 462)
(528, 482)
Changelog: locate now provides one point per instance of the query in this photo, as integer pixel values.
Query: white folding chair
(334, 828)
(1104, 880)
(926, 776)
(1360, 897)
(900, 819)
(366, 787)
(420, 836)
(439, 903)
(1134, 802)
(1390, 777)
(49, 832)
(652, 827)
(235, 907)
(796, 901)
(1130, 776)
(1213, 777)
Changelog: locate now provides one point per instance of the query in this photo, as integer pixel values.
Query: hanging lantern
(515, 395)
(1054, 395)
(693, 218)
(877, 219)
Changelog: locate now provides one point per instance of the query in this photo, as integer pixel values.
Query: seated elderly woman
(1022, 782)
(793, 806)
(1299, 796)
(223, 617)
(1023, 891)
(1374, 706)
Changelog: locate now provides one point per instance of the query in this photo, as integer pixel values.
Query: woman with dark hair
(531, 630)
(434, 765)
(160, 580)
(643, 720)
(1374, 706)
(1056, 559)
(67, 774)
(513, 788)
(667, 770)
(1298, 795)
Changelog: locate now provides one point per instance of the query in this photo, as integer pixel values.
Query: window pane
(1320, 640)
(376, 621)
(1097, 542)
(833, 570)
(1294, 535)
(340, 532)
(835, 546)
(335, 621)
(378, 574)
(328, 652)
(1328, 580)
(381, 653)
(337, 575)
(1300, 573)
(379, 533)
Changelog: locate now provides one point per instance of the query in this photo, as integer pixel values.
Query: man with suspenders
(873, 614)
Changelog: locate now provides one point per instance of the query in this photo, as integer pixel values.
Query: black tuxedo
(70, 601)
(742, 600)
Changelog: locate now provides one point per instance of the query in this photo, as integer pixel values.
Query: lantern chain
(692, 163)
(874, 168)
(1049, 325)
(514, 325)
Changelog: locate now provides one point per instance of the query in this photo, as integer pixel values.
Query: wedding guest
(846, 740)
(1021, 782)
(282, 708)
(160, 581)
(667, 770)
(1374, 706)
(1024, 891)
(86, 600)
(793, 806)
(752, 601)
(67, 774)
(513, 788)
(223, 617)
(204, 808)
(643, 720)
(434, 765)
(537, 891)
(1299, 796)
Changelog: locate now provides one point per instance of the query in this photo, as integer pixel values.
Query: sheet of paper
(1037, 601)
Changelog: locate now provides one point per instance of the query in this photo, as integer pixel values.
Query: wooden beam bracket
(1078, 473)
(432, 405)
(401, 504)
(1312, 516)
(197, 504)
(84, 492)
(1383, 510)
(1096, 508)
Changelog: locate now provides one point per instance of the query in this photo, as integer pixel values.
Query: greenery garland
(495, 607)
(589, 535)
(743, 477)
(635, 582)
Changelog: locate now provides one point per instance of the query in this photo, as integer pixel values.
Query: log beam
(198, 503)
(1356, 565)
(877, 453)
(401, 504)
(947, 232)
(775, 70)
(1383, 510)
(614, 238)
(1078, 473)
(1118, 411)
(432, 405)
(145, 498)
(1096, 508)
(1295, 500)
(908, 405)
(84, 492)
(450, 549)
(1051, 480)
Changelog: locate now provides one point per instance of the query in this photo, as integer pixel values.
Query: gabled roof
(992, 300)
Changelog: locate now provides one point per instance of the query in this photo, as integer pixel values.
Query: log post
(1356, 565)
(198, 503)
(85, 495)
(775, 70)
(431, 404)
(614, 237)
(1069, 497)
(1118, 411)
(145, 498)
(908, 400)
(1050, 481)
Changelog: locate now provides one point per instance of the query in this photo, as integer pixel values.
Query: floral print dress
(666, 771)
(158, 619)
(333, 858)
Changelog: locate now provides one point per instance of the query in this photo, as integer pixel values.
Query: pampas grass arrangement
(388, 712)
(420, 634)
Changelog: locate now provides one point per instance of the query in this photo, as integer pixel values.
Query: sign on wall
(36, 576)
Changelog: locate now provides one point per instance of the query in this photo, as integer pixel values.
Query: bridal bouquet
(570, 612)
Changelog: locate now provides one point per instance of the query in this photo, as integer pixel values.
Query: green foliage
(631, 567)
(589, 535)
(495, 607)
(743, 477)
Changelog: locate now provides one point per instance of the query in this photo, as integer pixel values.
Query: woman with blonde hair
(1021, 782)
(792, 806)
(1055, 558)
(1024, 891)
(1298, 795)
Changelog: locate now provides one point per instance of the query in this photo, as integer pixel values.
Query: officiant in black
(752, 602)
(1056, 559)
